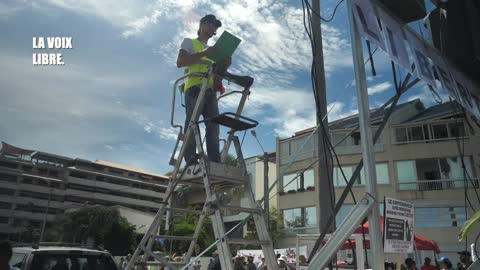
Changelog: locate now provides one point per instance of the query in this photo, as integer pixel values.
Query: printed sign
(398, 226)
(427, 59)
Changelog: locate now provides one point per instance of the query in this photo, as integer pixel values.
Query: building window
(78, 175)
(339, 181)
(7, 191)
(310, 216)
(8, 178)
(440, 131)
(431, 217)
(427, 132)
(300, 217)
(292, 218)
(4, 205)
(434, 173)
(296, 181)
(8, 164)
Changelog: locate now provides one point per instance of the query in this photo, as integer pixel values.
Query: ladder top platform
(218, 173)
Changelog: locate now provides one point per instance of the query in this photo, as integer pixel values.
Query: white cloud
(427, 97)
(379, 88)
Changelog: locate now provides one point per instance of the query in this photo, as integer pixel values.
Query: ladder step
(233, 121)
(176, 237)
(240, 209)
(241, 241)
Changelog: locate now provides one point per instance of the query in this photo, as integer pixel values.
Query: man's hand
(210, 51)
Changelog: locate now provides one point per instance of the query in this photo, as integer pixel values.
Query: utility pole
(266, 204)
(325, 191)
(368, 154)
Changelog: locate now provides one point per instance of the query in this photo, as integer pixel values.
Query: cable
(318, 15)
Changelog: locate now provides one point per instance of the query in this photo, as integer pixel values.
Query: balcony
(442, 184)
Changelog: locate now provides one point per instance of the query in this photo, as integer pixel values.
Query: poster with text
(398, 226)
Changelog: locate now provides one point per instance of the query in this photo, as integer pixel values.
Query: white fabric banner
(420, 55)
(366, 20)
(395, 40)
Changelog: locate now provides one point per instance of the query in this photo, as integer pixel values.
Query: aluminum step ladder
(211, 176)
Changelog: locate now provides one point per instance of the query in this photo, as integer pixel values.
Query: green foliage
(276, 228)
(185, 226)
(103, 225)
(468, 226)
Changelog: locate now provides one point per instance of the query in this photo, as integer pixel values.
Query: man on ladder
(193, 57)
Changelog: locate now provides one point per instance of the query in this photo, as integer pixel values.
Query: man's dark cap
(464, 252)
(211, 19)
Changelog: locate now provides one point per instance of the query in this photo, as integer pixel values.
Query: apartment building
(417, 160)
(36, 186)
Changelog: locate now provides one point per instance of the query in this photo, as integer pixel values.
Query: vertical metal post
(265, 189)
(45, 217)
(324, 168)
(359, 253)
(366, 141)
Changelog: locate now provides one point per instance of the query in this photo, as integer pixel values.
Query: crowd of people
(443, 263)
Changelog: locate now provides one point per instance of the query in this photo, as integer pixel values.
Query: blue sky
(112, 98)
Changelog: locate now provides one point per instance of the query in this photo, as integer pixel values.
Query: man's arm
(185, 59)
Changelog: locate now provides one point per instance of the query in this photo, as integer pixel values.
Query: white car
(61, 258)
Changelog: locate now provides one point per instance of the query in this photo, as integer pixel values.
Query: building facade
(427, 156)
(37, 186)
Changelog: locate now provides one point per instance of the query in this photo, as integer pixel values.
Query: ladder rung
(241, 241)
(239, 209)
(190, 211)
(176, 237)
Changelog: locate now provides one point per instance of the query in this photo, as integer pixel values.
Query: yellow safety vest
(192, 81)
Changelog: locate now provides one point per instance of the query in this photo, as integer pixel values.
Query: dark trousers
(212, 130)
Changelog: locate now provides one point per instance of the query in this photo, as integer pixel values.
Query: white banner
(395, 40)
(399, 226)
(427, 59)
(366, 20)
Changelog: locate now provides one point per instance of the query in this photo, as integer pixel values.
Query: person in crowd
(282, 263)
(250, 264)
(239, 261)
(261, 264)
(445, 263)
(465, 260)
(427, 264)
(120, 264)
(5, 256)
(410, 263)
(215, 263)
(125, 262)
(303, 260)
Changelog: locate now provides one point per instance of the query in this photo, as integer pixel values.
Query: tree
(104, 226)
(276, 228)
(185, 226)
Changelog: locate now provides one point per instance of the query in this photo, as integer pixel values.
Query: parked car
(61, 258)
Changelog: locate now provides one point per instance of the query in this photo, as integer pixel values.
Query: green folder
(226, 45)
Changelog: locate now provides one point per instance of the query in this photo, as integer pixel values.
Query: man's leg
(212, 130)
(190, 102)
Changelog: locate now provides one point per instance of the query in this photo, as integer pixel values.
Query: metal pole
(366, 141)
(266, 205)
(45, 217)
(325, 189)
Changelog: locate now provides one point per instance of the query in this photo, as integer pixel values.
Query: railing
(300, 230)
(441, 184)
